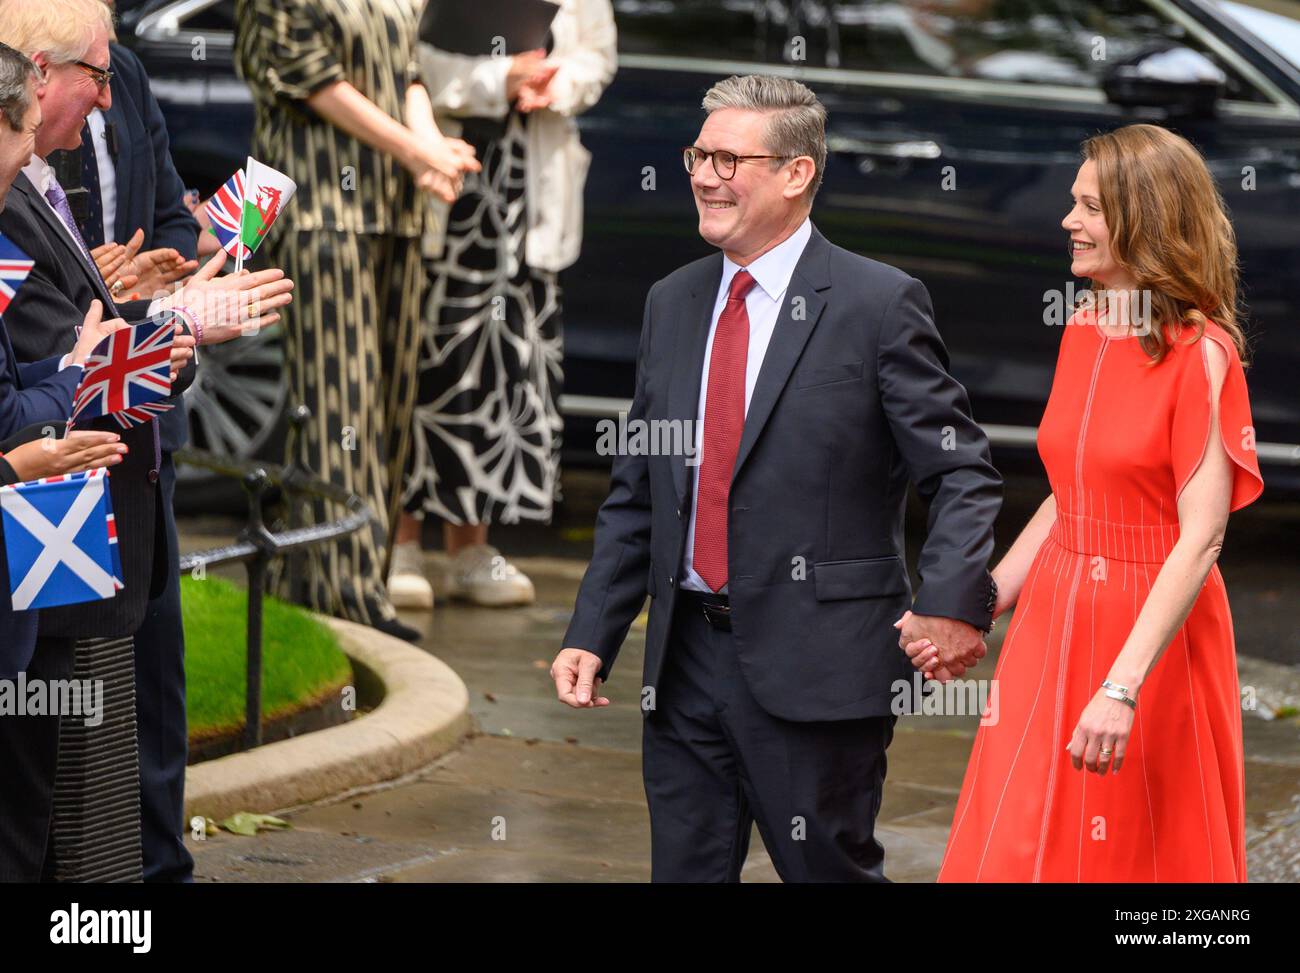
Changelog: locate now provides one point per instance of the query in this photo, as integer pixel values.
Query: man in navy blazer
(811, 386)
(149, 196)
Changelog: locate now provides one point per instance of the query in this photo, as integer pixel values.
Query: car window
(1059, 42)
(730, 30)
(213, 17)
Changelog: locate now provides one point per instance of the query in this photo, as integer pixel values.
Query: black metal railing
(257, 546)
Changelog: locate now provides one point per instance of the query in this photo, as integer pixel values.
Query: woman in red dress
(1116, 755)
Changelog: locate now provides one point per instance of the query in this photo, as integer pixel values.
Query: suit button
(679, 513)
(670, 582)
(153, 476)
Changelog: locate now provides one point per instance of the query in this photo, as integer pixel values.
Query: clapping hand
(94, 329)
(156, 271)
(941, 648)
(234, 305)
(114, 263)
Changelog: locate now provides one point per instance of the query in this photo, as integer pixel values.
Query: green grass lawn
(301, 658)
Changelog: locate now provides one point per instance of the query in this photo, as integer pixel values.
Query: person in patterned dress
(341, 110)
(486, 442)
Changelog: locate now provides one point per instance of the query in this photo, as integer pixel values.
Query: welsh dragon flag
(244, 208)
(266, 193)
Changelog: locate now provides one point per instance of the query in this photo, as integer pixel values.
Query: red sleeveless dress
(1119, 439)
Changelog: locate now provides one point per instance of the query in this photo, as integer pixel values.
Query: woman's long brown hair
(1170, 230)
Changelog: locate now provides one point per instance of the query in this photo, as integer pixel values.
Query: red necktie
(724, 420)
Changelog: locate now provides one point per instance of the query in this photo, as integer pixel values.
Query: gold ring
(117, 286)
(1106, 753)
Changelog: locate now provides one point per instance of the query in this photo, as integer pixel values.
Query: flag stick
(243, 206)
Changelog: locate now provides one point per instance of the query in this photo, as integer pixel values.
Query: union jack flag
(140, 413)
(128, 369)
(14, 268)
(225, 209)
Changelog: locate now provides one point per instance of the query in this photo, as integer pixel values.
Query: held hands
(528, 81)
(234, 305)
(1104, 726)
(941, 648)
(440, 167)
(576, 682)
(78, 451)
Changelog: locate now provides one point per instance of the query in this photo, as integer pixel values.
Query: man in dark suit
(35, 398)
(814, 385)
(128, 174)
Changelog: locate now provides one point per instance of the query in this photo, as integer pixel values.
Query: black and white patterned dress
(486, 444)
(351, 244)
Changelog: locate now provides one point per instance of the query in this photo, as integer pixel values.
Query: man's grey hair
(797, 120)
(16, 69)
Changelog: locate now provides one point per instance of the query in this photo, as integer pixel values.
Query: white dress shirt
(771, 272)
(107, 174)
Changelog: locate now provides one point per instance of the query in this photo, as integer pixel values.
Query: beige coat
(585, 48)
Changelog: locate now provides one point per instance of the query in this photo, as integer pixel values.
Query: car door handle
(901, 149)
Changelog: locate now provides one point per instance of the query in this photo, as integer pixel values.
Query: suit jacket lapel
(59, 232)
(800, 309)
(688, 359)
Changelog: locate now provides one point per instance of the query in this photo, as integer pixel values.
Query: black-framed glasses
(724, 162)
(102, 76)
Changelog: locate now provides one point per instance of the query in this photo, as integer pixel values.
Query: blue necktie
(92, 231)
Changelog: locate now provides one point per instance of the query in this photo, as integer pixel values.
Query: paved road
(543, 793)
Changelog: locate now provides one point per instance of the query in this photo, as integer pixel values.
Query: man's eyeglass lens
(724, 162)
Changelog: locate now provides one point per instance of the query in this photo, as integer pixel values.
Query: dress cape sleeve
(1191, 421)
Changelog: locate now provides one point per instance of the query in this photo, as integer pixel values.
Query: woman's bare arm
(1013, 569)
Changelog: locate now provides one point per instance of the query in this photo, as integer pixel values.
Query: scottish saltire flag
(140, 413)
(115, 553)
(127, 369)
(224, 210)
(14, 268)
(56, 535)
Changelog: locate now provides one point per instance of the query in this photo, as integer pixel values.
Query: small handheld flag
(140, 413)
(225, 209)
(14, 268)
(60, 540)
(266, 192)
(129, 368)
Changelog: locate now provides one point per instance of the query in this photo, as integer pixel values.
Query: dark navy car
(954, 139)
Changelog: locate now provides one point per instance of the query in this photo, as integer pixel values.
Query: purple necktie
(59, 200)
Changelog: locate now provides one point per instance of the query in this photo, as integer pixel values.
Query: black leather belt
(715, 608)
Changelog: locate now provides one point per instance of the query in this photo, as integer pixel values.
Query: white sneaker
(480, 574)
(407, 585)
